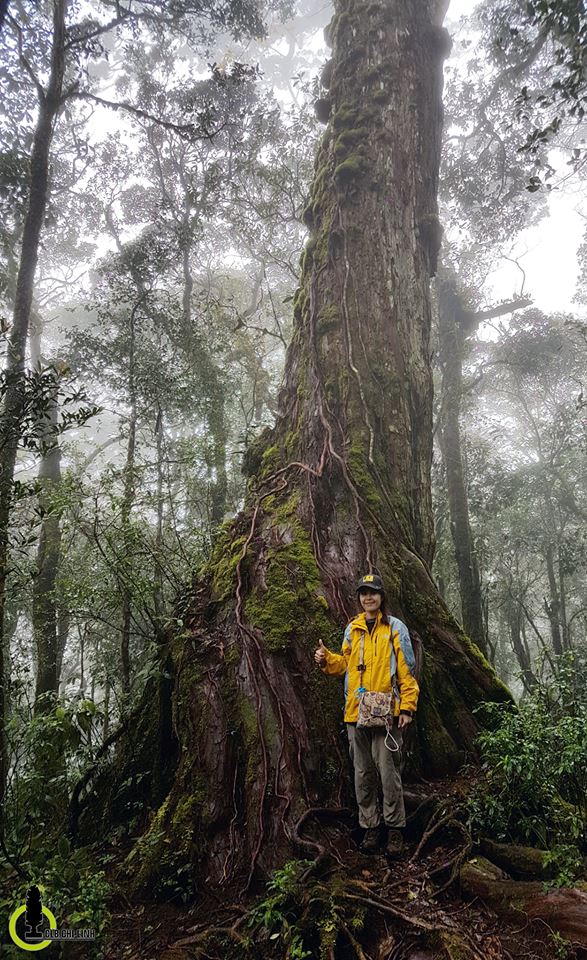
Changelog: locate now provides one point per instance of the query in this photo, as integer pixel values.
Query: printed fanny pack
(375, 709)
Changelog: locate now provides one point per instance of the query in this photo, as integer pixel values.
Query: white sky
(547, 253)
(460, 8)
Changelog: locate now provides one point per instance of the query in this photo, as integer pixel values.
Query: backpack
(412, 657)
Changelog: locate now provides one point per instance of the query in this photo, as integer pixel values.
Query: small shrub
(535, 786)
(276, 913)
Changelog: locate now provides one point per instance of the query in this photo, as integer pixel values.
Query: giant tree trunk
(340, 485)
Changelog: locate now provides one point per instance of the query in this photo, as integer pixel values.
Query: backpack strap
(405, 646)
(347, 637)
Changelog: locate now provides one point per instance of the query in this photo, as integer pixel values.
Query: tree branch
(98, 31)
(510, 73)
(502, 308)
(3, 11)
(182, 129)
(23, 60)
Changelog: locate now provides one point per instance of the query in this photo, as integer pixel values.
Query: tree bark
(106, 709)
(340, 485)
(63, 624)
(10, 422)
(47, 618)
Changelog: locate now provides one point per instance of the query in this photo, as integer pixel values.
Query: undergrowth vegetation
(535, 786)
(50, 750)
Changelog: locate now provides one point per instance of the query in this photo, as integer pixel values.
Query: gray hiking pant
(371, 758)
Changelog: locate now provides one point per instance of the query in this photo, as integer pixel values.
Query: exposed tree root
(565, 910)
(522, 863)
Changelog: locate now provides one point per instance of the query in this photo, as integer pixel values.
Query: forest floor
(159, 931)
(413, 911)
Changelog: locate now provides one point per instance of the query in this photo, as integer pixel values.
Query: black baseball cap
(372, 581)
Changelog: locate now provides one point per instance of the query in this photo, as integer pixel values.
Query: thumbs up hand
(320, 654)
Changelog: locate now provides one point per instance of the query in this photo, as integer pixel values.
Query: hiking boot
(370, 842)
(395, 845)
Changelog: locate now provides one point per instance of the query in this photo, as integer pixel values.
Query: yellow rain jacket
(377, 676)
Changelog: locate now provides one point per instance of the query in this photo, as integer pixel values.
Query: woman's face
(370, 600)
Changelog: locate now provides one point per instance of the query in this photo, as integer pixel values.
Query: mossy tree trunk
(340, 485)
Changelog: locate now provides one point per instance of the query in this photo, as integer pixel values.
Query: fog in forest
(163, 283)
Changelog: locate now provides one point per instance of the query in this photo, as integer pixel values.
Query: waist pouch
(375, 709)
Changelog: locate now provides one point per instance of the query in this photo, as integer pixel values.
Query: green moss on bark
(357, 461)
(348, 139)
(224, 561)
(328, 319)
(166, 851)
(292, 581)
(352, 168)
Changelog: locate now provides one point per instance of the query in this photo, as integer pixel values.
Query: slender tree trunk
(63, 624)
(158, 560)
(128, 499)
(217, 459)
(45, 611)
(514, 618)
(451, 337)
(492, 647)
(340, 485)
(552, 605)
(212, 389)
(566, 641)
(106, 708)
(11, 615)
(10, 422)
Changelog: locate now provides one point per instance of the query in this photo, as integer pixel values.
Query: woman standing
(373, 659)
